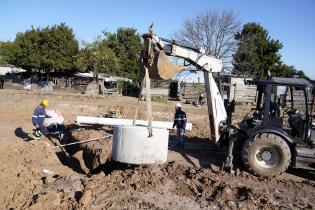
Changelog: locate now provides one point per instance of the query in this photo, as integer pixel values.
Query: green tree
(257, 52)
(284, 70)
(126, 43)
(59, 47)
(6, 52)
(28, 49)
(84, 60)
(301, 74)
(98, 58)
(47, 49)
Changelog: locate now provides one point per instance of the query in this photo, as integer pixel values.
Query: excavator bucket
(162, 68)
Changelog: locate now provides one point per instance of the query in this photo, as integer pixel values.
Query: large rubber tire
(266, 155)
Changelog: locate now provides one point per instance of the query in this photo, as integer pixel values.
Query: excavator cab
(284, 103)
(280, 130)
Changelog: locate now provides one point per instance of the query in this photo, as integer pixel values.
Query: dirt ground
(36, 175)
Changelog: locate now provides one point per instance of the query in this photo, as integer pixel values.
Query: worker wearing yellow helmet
(38, 119)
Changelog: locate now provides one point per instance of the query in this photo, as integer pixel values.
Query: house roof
(285, 81)
(102, 76)
(9, 69)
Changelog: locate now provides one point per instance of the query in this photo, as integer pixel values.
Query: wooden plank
(148, 99)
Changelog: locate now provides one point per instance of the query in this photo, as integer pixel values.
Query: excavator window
(287, 108)
(293, 111)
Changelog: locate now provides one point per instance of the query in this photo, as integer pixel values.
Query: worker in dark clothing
(1, 82)
(38, 119)
(180, 123)
(201, 99)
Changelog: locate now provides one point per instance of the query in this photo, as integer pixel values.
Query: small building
(86, 83)
(13, 76)
(10, 69)
(188, 85)
(235, 87)
(185, 86)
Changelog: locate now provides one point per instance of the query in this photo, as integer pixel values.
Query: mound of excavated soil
(24, 169)
(173, 186)
(170, 186)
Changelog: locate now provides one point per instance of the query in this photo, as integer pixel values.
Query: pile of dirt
(169, 186)
(25, 168)
(173, 186)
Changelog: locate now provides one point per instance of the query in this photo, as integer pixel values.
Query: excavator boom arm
(208, 64)
(198, 59)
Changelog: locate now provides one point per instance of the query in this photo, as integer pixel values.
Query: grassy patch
(161, 99)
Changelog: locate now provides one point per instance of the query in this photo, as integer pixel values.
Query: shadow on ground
(22, 134)
(70, 161)
(206, 152)
(209, 155)
(308, 174)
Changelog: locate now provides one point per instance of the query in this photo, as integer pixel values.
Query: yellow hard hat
(44, 102)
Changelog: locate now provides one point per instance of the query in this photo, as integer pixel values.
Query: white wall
(244, 93)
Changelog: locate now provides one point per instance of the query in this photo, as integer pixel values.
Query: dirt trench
(87, 157)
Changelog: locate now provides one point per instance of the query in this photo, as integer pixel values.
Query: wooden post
(149, 103)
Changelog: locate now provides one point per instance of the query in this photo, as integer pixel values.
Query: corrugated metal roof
(10, 70)
(285, 81)
(102, 76)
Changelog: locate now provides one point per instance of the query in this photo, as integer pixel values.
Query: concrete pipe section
(132, 145)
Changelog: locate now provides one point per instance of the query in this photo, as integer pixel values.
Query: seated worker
(38, 119)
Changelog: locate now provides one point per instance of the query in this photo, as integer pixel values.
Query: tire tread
(266, 137)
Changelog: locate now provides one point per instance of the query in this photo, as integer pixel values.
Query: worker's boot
(36, 137)
(37, 134)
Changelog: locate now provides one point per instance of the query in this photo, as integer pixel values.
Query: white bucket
(132, 145)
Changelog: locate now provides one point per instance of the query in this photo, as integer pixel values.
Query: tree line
(245, 50)
(42, 49)
(55, 49)
(258, 53)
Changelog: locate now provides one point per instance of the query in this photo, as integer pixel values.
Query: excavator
(277, 134)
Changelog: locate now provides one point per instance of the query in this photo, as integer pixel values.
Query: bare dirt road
(33, 175)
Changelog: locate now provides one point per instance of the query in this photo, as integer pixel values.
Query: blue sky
(291, 22)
